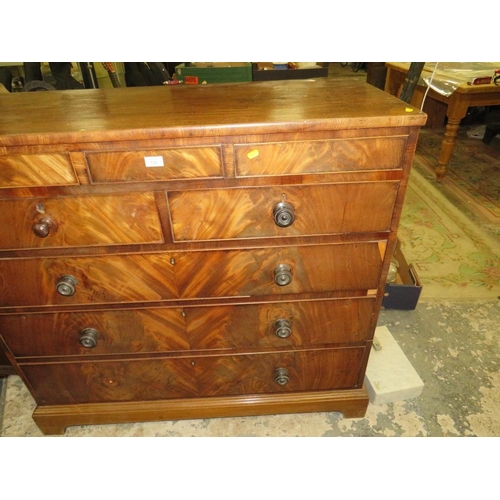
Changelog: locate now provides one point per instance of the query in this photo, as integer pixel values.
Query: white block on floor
(390, 376)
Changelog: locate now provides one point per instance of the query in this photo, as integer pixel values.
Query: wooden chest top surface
(197, 111)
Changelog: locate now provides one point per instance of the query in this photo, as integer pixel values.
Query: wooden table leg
(447, 146)
(456, 111)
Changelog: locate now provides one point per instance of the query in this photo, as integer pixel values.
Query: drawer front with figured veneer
(36, 170)
(184, 377)
(313, 157)
(188, 275)
(95, 332)
(156, 164)
(80, 221)
(282, 211)
(305, 323)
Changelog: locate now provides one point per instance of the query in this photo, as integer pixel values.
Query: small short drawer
(192, 376)
(80, 221)
(313, 157)
(282, 211)
(280, 324)
(90, 333)
(156, 164)
(36, 170)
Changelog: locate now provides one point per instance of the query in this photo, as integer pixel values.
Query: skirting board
(390, 377)
(53, 420)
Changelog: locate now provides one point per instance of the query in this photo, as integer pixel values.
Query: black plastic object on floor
(491, 131)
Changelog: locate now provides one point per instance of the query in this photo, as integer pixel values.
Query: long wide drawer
(80, 221)
(280, 324)
(282, 211)
(188, 275)
(163, 378)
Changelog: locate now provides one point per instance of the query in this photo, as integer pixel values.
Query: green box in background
(217, 72)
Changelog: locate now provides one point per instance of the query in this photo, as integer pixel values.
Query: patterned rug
(473, 173)
(454, 258)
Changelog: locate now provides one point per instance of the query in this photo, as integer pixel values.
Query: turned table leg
(447, 146)
(456, 111)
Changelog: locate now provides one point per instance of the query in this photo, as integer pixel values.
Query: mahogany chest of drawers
(197, 251)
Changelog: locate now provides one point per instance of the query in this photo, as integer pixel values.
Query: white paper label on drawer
(153, 161)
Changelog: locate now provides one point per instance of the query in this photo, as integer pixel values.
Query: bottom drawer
(200, 376)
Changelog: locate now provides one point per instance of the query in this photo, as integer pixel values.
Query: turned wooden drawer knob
(283, 214)
(282, 328)
(281, 376)
(66, 286)
(44, 226)
(283, 274)
(88, 337)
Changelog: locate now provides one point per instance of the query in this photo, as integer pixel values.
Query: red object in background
(481, 80)
(193, 80)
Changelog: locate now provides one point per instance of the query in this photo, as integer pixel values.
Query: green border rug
(453, 257)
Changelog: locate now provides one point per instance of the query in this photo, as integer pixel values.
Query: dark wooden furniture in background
(199, 251)
(288, 74)
(376, 73)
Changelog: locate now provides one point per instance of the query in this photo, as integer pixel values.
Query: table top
(453, 76)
